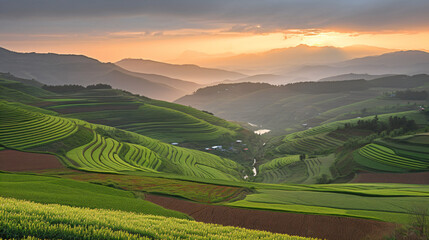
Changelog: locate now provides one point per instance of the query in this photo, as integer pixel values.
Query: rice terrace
(183, 119)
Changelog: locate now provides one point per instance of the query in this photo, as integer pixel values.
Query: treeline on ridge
(396, 81)
(411, 95)
(74, 87)
(377, 126)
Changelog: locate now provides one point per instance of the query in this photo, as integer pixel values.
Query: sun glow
(170, 45)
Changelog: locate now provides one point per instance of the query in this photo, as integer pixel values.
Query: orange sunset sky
(165, 30)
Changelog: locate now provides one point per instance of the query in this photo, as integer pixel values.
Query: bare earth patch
(11, 160)
(325, 227)
(408, 178)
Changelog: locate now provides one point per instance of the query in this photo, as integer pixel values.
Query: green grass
(157, 119)
(75, 105)
(385, 202)
(406, 153)
(199, 192)
(310, 144)
(22, 129)
(73, 193)
(278, 163)
(102, 155)
(115, 151)
(329, 127)
(21, 219)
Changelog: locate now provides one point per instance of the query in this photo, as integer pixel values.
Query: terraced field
(278, 163)
(164, 121)
(313, 167)
(310, 144)
(328, 127)
(167, 124)
(102, 155)
(24, 129)
(21, 129)
(193, 162)
(282, 169)
(403, 153)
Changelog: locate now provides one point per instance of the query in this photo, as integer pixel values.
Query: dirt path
(11, 160)
(328, 227)
(409, 178)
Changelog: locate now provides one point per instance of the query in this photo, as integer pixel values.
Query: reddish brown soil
(409, 178)
(324, 227)
(11, 160)
(94, 108)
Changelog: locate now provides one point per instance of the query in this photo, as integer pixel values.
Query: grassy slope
(73, 193)
(23, 129)
(401, 154)
(281, 110)
(386, 202)
(157, 119)
(318, 142)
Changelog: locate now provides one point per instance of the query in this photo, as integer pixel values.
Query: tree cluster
(377, 126)
(411, 95)
(328, 87)
(99, 86)
(69, 88)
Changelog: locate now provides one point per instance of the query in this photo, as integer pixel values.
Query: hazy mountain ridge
(282, 60)
(189, 72)
(353, 76)
(58, 69)
(401, 62)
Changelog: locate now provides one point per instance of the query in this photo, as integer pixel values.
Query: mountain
(353, 76)
(262, 78)
(400, 62)
(189, 72)
(288, 107)
(282, 60)
(59, 69)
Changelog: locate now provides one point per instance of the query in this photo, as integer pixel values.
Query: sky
(167, 30)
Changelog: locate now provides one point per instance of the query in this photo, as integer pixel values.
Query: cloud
(242, 15)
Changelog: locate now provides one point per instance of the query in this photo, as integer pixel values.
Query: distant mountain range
(58, 69)
(188, 72)
(400, 62)
(282, 60)
(353, 76)
(169, 82)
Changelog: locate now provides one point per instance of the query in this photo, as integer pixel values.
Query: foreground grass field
(73, 193)
(21, 219)
(384, 202)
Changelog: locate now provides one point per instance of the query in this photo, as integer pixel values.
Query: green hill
(168, 122)
(340, 148)
(295, 107)
(100, 148)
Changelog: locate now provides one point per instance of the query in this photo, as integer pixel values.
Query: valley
(220, 120)
(112, 140)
